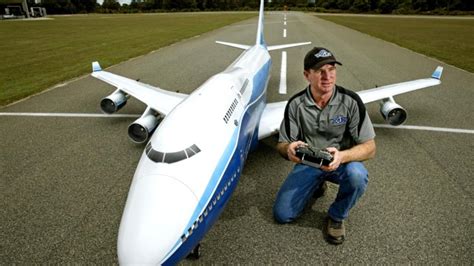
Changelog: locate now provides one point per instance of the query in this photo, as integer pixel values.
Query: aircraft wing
(273, 112)
(157, 99)
(271, 119)
(385, 92)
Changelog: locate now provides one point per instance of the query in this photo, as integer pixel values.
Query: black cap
(318, 57)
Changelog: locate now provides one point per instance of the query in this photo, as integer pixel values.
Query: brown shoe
(335, 231)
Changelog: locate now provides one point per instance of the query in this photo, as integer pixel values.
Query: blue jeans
(302, 182)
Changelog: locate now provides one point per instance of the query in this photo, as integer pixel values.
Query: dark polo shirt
(343, 123)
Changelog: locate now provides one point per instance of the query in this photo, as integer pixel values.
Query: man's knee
(282, 215)
(357, 176)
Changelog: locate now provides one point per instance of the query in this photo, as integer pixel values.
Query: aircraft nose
(156, 214)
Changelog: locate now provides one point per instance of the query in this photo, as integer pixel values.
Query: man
(324, 116)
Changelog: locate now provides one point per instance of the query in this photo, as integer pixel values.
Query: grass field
(450, 40)
(36, 55)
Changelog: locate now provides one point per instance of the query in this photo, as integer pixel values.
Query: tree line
(355, 6)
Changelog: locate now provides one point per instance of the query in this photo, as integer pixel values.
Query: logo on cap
(323, 53)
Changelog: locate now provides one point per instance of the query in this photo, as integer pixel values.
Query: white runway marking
(282, 89)
(438, 129)
(70, 115)
(284, 33)
(284, 23)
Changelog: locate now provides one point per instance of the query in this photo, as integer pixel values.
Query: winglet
(437, 73)
(96, 67)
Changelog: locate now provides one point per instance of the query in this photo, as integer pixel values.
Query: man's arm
(360, 152)
(282, 148)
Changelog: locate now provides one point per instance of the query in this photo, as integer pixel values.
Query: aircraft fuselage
(193, 162)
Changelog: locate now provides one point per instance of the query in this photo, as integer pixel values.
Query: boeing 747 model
(195, 154)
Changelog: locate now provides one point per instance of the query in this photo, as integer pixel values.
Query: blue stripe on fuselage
(260, 79)
(228, 170)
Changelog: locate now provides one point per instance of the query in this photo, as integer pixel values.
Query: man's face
(323, 79)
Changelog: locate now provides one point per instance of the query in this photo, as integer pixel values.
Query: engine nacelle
(393, 113)
(140, 130)
(113, 102)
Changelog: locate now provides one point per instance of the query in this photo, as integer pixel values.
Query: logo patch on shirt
(338, 120)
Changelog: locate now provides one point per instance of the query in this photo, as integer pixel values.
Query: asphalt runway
(64, 180)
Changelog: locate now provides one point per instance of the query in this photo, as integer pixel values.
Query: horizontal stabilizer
(235, 45)
(96, 67)
(283, 46)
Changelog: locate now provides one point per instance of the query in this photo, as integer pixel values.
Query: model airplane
(193, 161)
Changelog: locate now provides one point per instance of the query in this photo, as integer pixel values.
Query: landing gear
(195, 253)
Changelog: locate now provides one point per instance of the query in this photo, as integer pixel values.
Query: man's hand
(291, 151)
(288, 150)
(359, 153)
(336, 161)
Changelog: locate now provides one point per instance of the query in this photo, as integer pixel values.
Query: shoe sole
(334, 241)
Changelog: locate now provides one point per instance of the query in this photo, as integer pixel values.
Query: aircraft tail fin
(260, 39)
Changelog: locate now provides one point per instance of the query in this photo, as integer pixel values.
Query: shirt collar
(309, 101)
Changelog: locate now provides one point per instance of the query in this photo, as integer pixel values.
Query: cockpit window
(170, 157)
(192, 150)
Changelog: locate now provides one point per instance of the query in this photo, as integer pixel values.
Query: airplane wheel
(195, 253)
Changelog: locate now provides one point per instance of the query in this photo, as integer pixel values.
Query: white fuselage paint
(167, 200)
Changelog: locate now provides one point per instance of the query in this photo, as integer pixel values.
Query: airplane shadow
(259, 183)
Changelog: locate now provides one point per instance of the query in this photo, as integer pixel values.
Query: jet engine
(142, 128)
(113, 102)
(393, 113)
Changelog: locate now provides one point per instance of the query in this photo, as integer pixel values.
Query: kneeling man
(330, 117)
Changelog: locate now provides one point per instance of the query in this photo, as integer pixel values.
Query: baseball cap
(318, 57)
